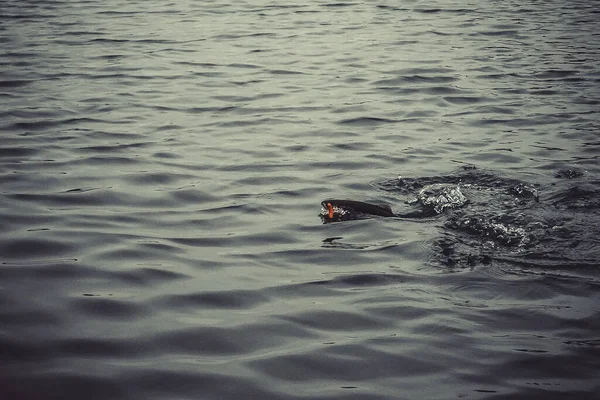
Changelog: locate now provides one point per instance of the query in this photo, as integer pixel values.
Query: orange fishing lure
(330, 208)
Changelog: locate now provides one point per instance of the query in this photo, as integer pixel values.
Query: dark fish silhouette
(350, 209)
(432, 200)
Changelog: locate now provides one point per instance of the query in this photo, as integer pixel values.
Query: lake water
(162, 166)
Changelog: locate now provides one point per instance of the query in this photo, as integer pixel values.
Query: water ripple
(162, 168)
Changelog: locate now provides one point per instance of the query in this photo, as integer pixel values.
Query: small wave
(111, 308)
(238, 299)
(366, 121)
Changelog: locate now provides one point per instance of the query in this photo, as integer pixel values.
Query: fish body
(353, 208)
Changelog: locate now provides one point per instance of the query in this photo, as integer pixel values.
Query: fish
(350, 209)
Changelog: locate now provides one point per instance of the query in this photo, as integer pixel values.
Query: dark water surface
(162, 167)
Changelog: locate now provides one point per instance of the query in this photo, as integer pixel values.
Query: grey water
(162, 167)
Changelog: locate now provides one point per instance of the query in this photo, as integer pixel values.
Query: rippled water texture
(162, 166)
